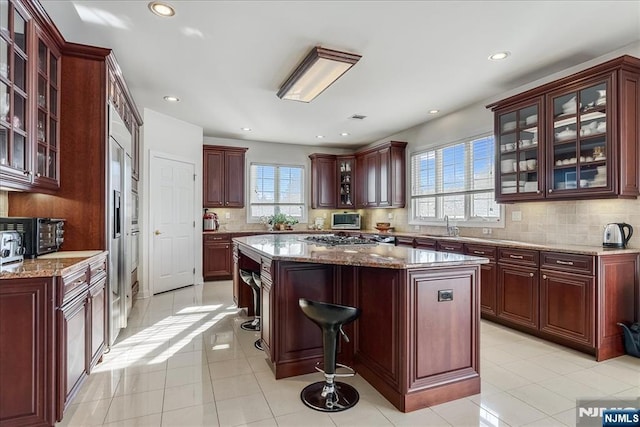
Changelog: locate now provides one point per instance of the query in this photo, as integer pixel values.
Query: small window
(456, 181)
(276, 189)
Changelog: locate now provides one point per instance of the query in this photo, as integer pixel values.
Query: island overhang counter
(417, 338)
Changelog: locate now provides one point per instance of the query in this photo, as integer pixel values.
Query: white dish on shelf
(601, 101)
(509, 183)
(531, 119)
(566, 135)
(531, 186)
(508, 126)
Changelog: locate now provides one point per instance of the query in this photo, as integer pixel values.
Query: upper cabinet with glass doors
(15, 36)
(578, 137)
(520, 163)
(29, 99)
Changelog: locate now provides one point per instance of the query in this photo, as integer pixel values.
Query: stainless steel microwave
(345, 221)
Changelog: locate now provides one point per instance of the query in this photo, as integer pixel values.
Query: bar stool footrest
(250, 325)
(338, 365)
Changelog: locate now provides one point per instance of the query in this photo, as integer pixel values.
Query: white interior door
(172, 190)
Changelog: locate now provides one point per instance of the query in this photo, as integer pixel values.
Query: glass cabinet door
(346, 174)
(518, 145)
(47, 120)
(14, 150)
(580, 146)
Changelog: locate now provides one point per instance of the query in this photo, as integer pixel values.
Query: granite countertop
(50, 265)
(292, 247)
(575, 249)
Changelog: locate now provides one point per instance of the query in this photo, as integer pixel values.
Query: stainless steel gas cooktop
(331, 240)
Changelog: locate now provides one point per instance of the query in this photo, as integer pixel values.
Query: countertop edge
(46, 267)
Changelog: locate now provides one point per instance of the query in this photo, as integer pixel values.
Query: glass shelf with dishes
(580, 139)
(346, 173)
(518, 145)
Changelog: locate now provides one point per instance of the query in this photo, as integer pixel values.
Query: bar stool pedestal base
(342, 397)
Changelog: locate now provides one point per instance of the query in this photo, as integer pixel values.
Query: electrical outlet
(227, 215)
(516, 216)
(324, 215)
(416, 227)
(390, 215)
(485, 231)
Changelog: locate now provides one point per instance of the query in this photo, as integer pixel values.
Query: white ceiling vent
(358, 117)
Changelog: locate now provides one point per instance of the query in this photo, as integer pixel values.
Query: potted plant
(278, 221)
(290, 222)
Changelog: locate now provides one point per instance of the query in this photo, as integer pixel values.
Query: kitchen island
(416, 340)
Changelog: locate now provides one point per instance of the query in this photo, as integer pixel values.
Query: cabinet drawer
(519, 256)
(72, 285)
(225, 237)
(444, 245)
(426, 243)
(404, 241)
(98, 269)
(481, 251)
(573, 263)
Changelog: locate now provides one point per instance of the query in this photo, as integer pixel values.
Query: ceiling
(226, 60)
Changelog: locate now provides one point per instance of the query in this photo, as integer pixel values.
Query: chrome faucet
(451, 231)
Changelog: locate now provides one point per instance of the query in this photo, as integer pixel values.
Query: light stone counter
(293, 247)
(50, 265)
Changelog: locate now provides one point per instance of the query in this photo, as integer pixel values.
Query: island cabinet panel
(566, 306)
(377, 337)
(296, 350)
(26, 352)
(443, 317)
(618, 300)
(266, 308)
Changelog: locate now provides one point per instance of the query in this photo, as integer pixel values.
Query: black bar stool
(252, 325)
(330, 395)
(256, 279)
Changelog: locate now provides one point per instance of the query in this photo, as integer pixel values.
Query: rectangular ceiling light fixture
(315, 73)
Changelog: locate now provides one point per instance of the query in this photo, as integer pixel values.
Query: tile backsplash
(572, 222)
(4, 203)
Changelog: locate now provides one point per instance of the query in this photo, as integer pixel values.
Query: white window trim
(472, 222)
(304, 218)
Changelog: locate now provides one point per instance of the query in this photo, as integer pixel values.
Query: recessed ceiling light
(344, 134)
(170, 98)
(434, 111)
(161, 9)
(319, 136)
(246, 129)
(498, 56)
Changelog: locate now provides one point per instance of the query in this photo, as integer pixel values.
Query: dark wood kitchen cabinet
(488, 278)
(333, 181)
(29, 99)
(324, 186)
(518, 292)
(223, 177)
(27, 348)
(84, 128)
(216, 256)
(380, 176)
(575, 138)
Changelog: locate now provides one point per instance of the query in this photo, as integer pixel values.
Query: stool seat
(328, 315)
(248, 277)
(329, 395)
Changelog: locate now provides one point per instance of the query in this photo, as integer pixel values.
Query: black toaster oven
(41, 235)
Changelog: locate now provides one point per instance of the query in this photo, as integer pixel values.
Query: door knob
(157, 232)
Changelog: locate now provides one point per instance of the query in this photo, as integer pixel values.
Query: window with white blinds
(455, 180)
(274, 189)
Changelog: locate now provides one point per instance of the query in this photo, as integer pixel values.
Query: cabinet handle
(226, 247)
(449, 248)
(227, 203)
(516, 256)
(564, 262)
(538, 192)
(530, 274)
(551, 190)
(544, 276)
(38, 175)
(479, 252)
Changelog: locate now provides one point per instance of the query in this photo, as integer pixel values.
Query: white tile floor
(184, 361)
